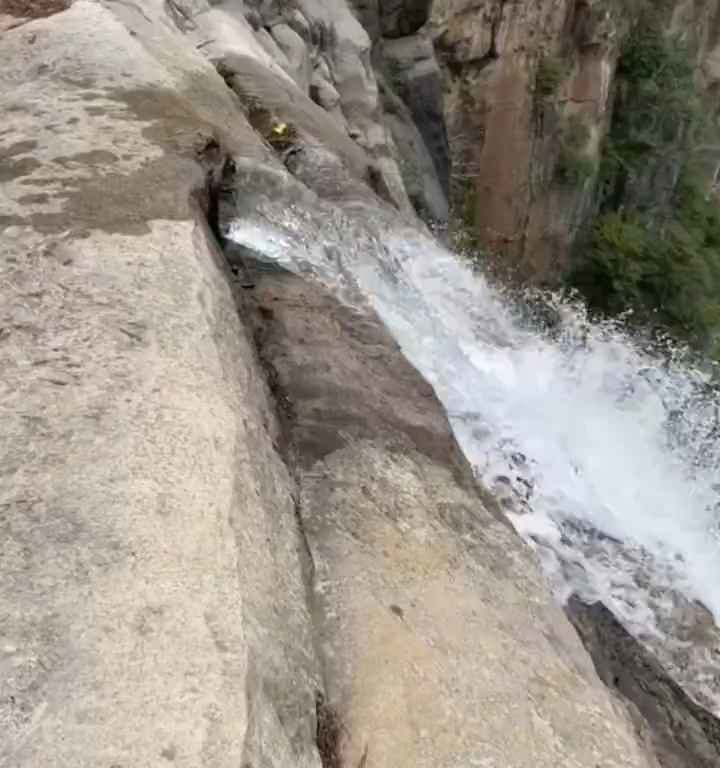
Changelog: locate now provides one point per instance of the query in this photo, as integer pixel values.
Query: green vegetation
(573, 166)
(463, 224)
(669, 274)
(551, 71)
(657, 110)
(655, 244)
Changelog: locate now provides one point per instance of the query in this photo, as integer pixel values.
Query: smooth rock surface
(145, 517)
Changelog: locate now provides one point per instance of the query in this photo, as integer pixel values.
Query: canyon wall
(529, 95)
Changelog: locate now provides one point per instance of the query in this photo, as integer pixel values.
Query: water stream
(603, 454)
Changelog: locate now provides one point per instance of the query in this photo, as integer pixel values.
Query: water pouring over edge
(605, 456)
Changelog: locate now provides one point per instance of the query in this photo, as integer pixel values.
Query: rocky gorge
(238, 525)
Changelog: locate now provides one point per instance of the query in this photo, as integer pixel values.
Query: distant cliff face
(530, 91)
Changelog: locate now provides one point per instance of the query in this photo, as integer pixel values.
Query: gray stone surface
(418, 170)
(416, 77)
(151, 600)
(296, 53)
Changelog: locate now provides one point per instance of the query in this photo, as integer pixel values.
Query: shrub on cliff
(656, 118)
(667, 272)
(550, 73)
(573, 166)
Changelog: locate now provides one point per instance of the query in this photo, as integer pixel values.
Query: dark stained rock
(403, 17)
(392, 18)
(416, 78)
(682, 733)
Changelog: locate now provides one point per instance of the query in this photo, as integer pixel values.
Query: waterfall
(603, 454)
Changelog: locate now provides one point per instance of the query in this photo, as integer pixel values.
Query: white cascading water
(604, 455)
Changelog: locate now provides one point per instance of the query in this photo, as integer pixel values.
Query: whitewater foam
(603, 455)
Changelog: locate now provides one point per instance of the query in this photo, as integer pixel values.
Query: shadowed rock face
(399, 18)
(416, 77)
(410, 85)
(392, 18)
(681, 733)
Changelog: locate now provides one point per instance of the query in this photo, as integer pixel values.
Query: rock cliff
(530, 93)
(237, 529)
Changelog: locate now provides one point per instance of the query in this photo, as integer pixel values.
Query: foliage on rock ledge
(669, 273)
(551, 71)
(573, 166)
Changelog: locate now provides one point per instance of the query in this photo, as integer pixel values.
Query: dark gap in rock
(329, 733)
(219, 189)
(376, 181)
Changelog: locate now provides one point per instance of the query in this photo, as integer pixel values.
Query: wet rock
(682, 733)
(680, 633)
